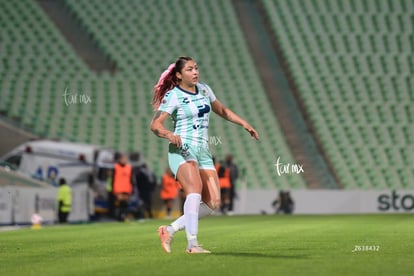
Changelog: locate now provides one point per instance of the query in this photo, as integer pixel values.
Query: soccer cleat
(166, 238)
(197, 250)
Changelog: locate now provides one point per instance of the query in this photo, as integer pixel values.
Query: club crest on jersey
(184, 150)
(204, 93)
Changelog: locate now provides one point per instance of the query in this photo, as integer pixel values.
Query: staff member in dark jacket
(146, 183)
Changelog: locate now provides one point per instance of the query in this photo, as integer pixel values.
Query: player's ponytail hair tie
(165, 75)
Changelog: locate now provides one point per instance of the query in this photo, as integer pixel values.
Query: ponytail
(166, 82)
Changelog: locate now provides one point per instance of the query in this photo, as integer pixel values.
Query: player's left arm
(229, 115)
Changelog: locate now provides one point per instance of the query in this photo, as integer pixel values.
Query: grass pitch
(241, 245)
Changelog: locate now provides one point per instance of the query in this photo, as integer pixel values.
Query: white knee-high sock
(179, 224)
(191, 208)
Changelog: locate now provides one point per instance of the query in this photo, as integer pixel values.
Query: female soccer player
(179, 94)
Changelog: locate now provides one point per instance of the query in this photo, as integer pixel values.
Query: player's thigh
(189, 177)
(211, 188)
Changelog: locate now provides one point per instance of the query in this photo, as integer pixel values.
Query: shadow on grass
(259, 255)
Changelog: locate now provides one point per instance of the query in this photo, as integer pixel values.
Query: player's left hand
(252, 131)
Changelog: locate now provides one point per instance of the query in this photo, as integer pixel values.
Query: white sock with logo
(191, 208)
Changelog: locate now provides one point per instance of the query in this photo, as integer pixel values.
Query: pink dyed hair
(168, 80)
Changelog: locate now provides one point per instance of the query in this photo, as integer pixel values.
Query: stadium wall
(18, 204)
(329, 201)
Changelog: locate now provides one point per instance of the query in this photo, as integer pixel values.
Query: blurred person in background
(179, 94)
(223, 173)
(169, 190)
(283, 203)
(234, 174)
(146, 183)
(110, 195)
(122, 186)
(64, 201)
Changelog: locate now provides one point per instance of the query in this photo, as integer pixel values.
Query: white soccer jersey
(190, 113)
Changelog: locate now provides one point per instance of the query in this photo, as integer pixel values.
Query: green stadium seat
(355, 53)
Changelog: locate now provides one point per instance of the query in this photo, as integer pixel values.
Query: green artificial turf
(241, 245)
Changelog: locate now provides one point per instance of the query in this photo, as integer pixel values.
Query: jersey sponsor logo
(203, 109)
(186, 100)
(199, 126)
(197, 99)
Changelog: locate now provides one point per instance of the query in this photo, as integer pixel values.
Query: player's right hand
(175, 139)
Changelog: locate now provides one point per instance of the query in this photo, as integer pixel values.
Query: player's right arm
(157, 127)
